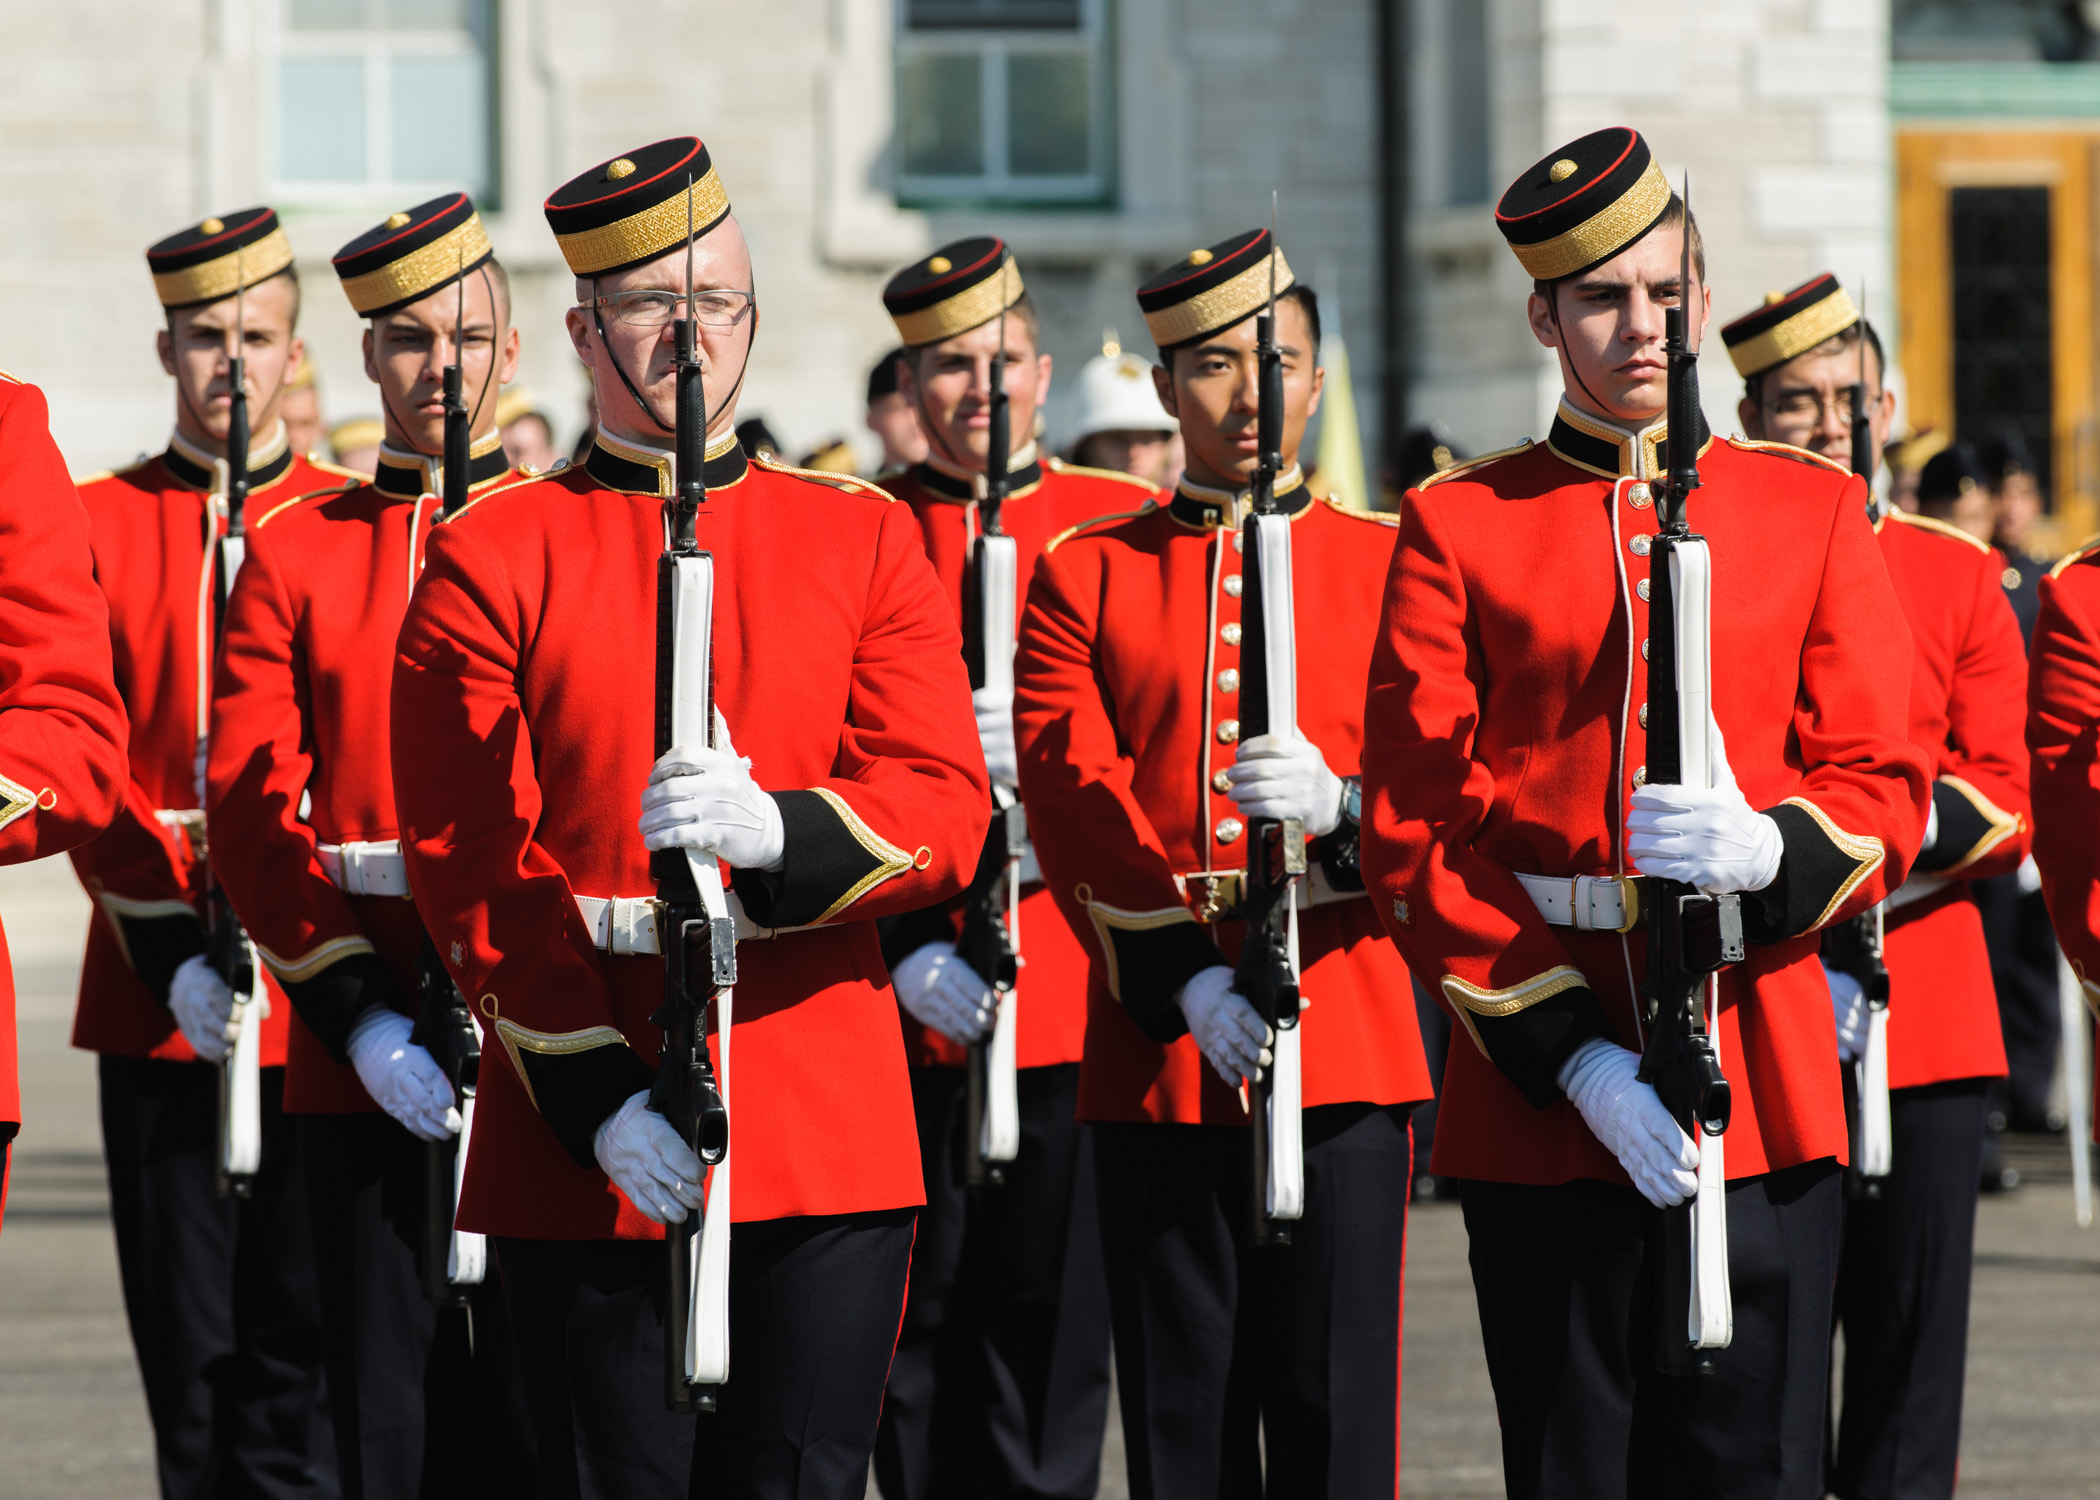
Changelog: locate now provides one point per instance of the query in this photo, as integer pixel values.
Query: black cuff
(908, 932)
(823, 861)
(1341, 855)
(1149, 965)
(332, 1000)
(1963, 827)
(1815, 874)
(1531, 1046)
(578, 1091)
(159, 946)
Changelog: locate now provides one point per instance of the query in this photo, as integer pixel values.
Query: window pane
(441, 120)
(432, 15)
(326, 15)
(324, 119)
(930, 15)
(940, 108)
(1467, 81)
(1048, 121)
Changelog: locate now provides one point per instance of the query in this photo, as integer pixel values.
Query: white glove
(1630, 1120)
(643, 1155)
(995, 731)
(1225, 1024)
(1713, 840)
(1849, 1003)
(705, 799)
(943, 992)
(401, 1076)
(203, 1008)
(1275, 777)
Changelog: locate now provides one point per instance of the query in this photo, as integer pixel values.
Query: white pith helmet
(1116, 394)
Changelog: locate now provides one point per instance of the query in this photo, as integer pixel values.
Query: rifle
(1857, 947)
(227, 949)
(1267, 972)
(695, 929)
(450, 1259)
(2078, 1086)
(1691, 935)
(991, 1107)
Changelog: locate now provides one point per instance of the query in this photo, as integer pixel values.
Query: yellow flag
(1341, 457)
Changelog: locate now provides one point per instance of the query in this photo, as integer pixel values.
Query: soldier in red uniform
(1137, 783)
(62, 724)
(1508, 811)
(1000, 1384)
(302, 807)
(524, 734)
(1909, 1241)
(2063, 710)
(220, 1291)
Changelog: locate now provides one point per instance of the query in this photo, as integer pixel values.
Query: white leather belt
(1587, 903)
(366, 867)
(625, 926)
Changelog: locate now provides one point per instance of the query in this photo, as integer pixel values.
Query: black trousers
(427, 1401)
(220, 1292)
(1903, 1301)
(814, 1307)
(1224, 1352)
(1000, 1385)
(1567, 1305)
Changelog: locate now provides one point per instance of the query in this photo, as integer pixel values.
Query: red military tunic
(1048, 497)
(523, 732)
(153, 526)
(1504, 733)
(1967, 702)
(1127, 697)
(300, 747)
(2063, 732)
(62, 723)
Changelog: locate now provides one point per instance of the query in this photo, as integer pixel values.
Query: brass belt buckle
(1630, 902)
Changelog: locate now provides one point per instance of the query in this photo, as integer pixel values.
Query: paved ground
(73, 1424)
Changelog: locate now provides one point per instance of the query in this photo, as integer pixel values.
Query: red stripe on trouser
(904, 1307)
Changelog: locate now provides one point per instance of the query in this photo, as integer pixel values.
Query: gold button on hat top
(619, 167)
(1229, 632)
(1199, 257)
(1561, 170)
(212, 226)
(1221, 783)
(1228, 731)
(1228, 681)
(1638, 546)
(1232, 584)
(1229, 829)
(397, 220)
(1772, 299)
(940, 265)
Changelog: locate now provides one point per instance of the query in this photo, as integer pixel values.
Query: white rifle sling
(468, 1262)
(1877, 1138)
(1710, 1319)
(2078, 1094)
(1286, 1176)
(240, 1092)
(692, 621)
(1001, 581)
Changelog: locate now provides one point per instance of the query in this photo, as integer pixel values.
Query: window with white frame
(1003, 101)
(382, 100)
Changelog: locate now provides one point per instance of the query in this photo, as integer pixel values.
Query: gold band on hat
(1602, 235)
(964, 311)
(1220, 307)
(1790, 338)
(419, 271)
(647, 234)
(212, 280)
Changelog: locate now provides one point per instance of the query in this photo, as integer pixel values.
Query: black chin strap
(598, 321)
(1553, 303)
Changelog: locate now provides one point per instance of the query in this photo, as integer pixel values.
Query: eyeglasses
(1807, 406)
(716, 309)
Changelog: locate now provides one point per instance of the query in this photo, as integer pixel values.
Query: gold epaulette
(1084, 471)
(1469, 465)
(1933, 523)
(12, 379)
(1787, 450)
(1113, 516)
(2090, 547)
(284, 505)
(852, 484)
(334, 468)
(1375, 517)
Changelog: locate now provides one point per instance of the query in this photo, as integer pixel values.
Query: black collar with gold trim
(199, 470)
(1612, 451)
(946, 482)
(637, 470)
(1201, 507)
(407, 475)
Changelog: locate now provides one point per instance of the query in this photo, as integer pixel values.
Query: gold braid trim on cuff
(2003, 826)
(15, 800)
(1469, 1000)
(314, 960)
(551, 1044)
(1112, 919)
(894, 861)
(1866, 851)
